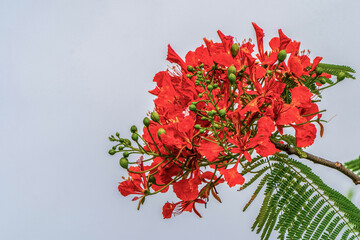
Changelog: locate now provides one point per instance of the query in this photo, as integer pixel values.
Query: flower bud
(192, 107)
(161, 131)
(200, 95)
(282, 55)
(210, 87)
(155, 117)
(322, 80)
(269, 72)
(231, 69)
(319, 70)
(117, 134)
(222, 112)
(189, 75)
(341, 76)
(134, 137)
(234, 49)
(112, 151)
(126, 154)
(133, 129)
(201, 65)
(146, 121)
(197, 126)
(121, 148)
(202, 130)
(152, 179)
(124, 163)
(190, 68)
(232, 78)
(216, 85)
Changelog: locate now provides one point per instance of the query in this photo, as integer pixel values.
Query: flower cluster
(219, 107)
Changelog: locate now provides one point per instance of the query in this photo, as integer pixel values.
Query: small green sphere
(222, 112)
(155, 117)
(133, 129)
(322, 80)
(341, 76)
(112, 151)
(231, 69)
(210, 87)
(146, 121)
(189, 75)
(121, 148)
(152, 179)
(192, 107)
(197, 126)
(216, 85)
(134, 137)
(124, 163)
(161, 131)
(269, 72)
(190, 68)
(200, 95)
(201, 65)
(126, 154)
(203, 118)
(232, 78)
(202, 130)
(282, 55)
(319, 70)
(234, 49)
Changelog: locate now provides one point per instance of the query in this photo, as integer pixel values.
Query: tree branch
(318, 160)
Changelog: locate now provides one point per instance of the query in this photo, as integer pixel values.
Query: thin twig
(319, 160)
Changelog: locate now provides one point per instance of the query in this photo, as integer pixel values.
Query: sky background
(74, 72)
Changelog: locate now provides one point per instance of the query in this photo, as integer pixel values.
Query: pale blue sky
(74, 72)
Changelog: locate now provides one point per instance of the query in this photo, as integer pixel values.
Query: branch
(318, 160)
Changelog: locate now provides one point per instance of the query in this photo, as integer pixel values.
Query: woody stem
(319, 160)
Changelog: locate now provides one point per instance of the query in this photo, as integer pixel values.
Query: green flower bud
(208, 81)
(121, 148)
(234, 49)
(202, 130)
(341, 76)
(203, 118)
(189, 75)
(126, 154)
(190, 68)
(117, 134)
(161, 131)
(282, 55)
(201, 65)
(232, 78)
(322, 80)
(152, 179)
(197, 82)
(222, 112)
(112, 151)
(124, 163)
(216, 126)
(146, 121)
(134, 137)
(200, 95)
(192, 107)
(319, 70)
(269, 72)
(114, 147)
(155, 117)
(133, 129)
(213, 112)
(216, 85)
(231, 69)
(210, 87)
(197, 126)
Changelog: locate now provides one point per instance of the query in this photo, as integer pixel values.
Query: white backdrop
(74, 72)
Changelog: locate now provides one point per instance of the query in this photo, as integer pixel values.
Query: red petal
(210, 150)
(232, 176)
(305, 134)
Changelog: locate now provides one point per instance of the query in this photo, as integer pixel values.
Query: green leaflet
(354, 165)
(297, 203)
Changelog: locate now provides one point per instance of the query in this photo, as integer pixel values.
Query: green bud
(112, 151)
(190, 68)
(222, 112)
(341, 76)
(189, 75)
(213, 112)
(155, 117)
(152, 179)
(197, 82)
(210, 87)
(322, 80)
(216, 126)
(208, 81)
(319, 70)
(197, 126)
(203, 118)
(232, 78)
(146, 121)
(126, 154)
(114, 147)
(216, 85)
(231, 69)
(202, 130)
(192, 107)
(269, 72)
(201, 65)
(134, 137)
(200, 95)
(121, 148)
(282, 55)
(133, 129)
(161, 131)
(117, 134)
(234, 49)
(124, 163)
